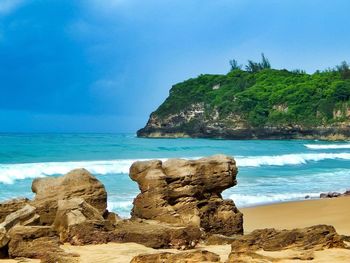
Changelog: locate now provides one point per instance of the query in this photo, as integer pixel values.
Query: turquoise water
(269, 171)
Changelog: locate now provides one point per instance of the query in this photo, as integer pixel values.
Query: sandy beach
(335, 212)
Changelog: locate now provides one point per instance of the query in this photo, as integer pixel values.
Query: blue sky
(105, 65)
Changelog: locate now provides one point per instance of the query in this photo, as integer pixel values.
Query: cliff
(261, 104)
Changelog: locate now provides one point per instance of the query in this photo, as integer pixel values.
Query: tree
(234, 65)
(344, 70)
(265, 63)
(256, 67)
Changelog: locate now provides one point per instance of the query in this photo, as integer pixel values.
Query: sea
(269, 170)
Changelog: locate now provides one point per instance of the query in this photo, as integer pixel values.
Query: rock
(307, 197)
(11, 206)
(188, 192)
(248, 256)
(39, 242)
(197, 256)
(314, 237)
(347, 192)
(23, 216)
(157, 235)
(216, 239)
(113, 218)
(77, 183)
(330, 195)
(74, 212)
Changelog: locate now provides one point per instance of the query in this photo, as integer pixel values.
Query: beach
(287, 215)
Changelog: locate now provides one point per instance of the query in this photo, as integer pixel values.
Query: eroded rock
(72, 213)
(198, 256)
(11, 206)
(314, 237)
(188, 192)
(157, 235)
(77, 183)
(24, 216)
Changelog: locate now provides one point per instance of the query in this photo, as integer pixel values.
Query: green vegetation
(264, 96)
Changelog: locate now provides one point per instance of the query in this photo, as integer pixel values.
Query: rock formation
(77, 183)
(198, 256)
(188, 192)
(10, 206)
(314, 237)
(304, 240)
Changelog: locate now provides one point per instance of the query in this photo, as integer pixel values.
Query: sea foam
(327, 146)
(12, 172)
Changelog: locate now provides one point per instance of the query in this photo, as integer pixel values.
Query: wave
(288, 159)
(12, 172)
(243, 200)
(327, 146)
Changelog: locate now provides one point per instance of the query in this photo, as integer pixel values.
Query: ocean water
(269, 171)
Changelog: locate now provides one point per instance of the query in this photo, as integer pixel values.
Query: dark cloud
(116, 59)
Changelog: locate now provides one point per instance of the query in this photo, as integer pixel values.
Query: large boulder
(77, 183)
(188, 192)
(198, 256)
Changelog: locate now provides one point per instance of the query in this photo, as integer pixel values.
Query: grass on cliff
(265, 96)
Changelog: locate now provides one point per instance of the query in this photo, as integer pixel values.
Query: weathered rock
(216, 239)
(40, 242)
(198, 256)
(23, 216)
(150, 234)
(157, 235)
(249, 256)
(77, 183)
(113, 218)
(11, 206)
(188, 192)
(74, 212)
(314, 237)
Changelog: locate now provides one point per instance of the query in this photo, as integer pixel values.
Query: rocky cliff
(269, 104)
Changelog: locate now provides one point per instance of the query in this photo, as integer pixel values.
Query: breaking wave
(242, 200)
(327, 146)
(288, 159)
(12, 172)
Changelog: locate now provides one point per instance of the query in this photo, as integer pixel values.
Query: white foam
(12, 172)
(252, 200)
(288, 159)
(122, 208)
(327, 146)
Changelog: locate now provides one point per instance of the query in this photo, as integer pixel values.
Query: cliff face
(266, 105)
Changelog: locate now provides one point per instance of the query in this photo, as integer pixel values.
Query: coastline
(282, 215)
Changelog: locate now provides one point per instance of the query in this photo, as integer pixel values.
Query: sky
(105, 65)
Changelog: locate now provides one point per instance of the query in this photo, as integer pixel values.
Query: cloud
(8, 6)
